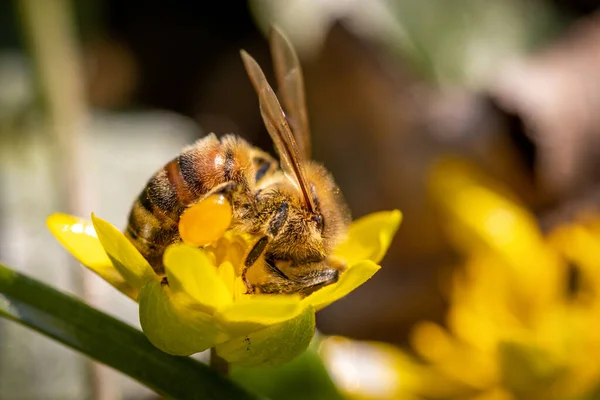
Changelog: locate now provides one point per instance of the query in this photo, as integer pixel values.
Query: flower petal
(482, 213)
(227, 274)
(123, 254)
(191, 272)
(369, 237)
(173, 328)
(274, 345)
(79, 237)
(352, 278)
(251, 313)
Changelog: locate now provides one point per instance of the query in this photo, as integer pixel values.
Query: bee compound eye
(320, 221)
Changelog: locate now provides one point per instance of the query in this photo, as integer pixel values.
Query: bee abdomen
(154, 217)
(152, 248)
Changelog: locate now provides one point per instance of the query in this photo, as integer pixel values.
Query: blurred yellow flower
(201, 303)
(524, 308)
(515, 329)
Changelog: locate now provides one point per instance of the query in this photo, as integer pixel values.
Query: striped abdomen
(154, 217)
(155, 213)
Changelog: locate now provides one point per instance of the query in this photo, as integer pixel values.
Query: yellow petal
(227, 274)
(482, 215)
(352, 278)
(191, 272)
(274, 345)
(173, 328)
(239, 289)
(124, 256)
(481, 212)
(369, 237)
(254, 312)
(79, 237)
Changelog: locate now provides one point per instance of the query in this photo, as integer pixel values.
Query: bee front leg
(275, 224)
(255, 253)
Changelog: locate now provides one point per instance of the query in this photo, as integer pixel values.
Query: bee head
(307, 235)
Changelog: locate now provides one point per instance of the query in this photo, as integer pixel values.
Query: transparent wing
(274, 118)
(290, 85)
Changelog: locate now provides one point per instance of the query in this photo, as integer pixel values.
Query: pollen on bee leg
(205, 221)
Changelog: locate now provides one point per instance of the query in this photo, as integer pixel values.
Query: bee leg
(226, 189)
(312, 277)
(280, 283)
(275, 225)
(257, 250)
(318, 280)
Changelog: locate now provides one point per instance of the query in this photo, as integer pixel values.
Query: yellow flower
(204, 305)
(514, 329)
(523, 309)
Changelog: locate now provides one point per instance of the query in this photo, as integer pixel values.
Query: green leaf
(109, 341)
(525, 367)
(274, 345)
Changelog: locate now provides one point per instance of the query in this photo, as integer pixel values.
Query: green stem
(66, 319)
(217, 363)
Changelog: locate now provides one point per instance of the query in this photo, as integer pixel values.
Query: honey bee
(293, 209)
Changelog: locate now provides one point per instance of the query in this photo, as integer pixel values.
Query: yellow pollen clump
(205, 221)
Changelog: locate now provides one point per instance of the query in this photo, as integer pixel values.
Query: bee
(293, 210)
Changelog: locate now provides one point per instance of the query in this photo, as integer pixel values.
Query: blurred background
(96, 95)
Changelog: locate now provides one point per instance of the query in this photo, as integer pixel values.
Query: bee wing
(290, 85)
(273, 116)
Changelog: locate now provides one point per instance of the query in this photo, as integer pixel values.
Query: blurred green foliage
(303, 378)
